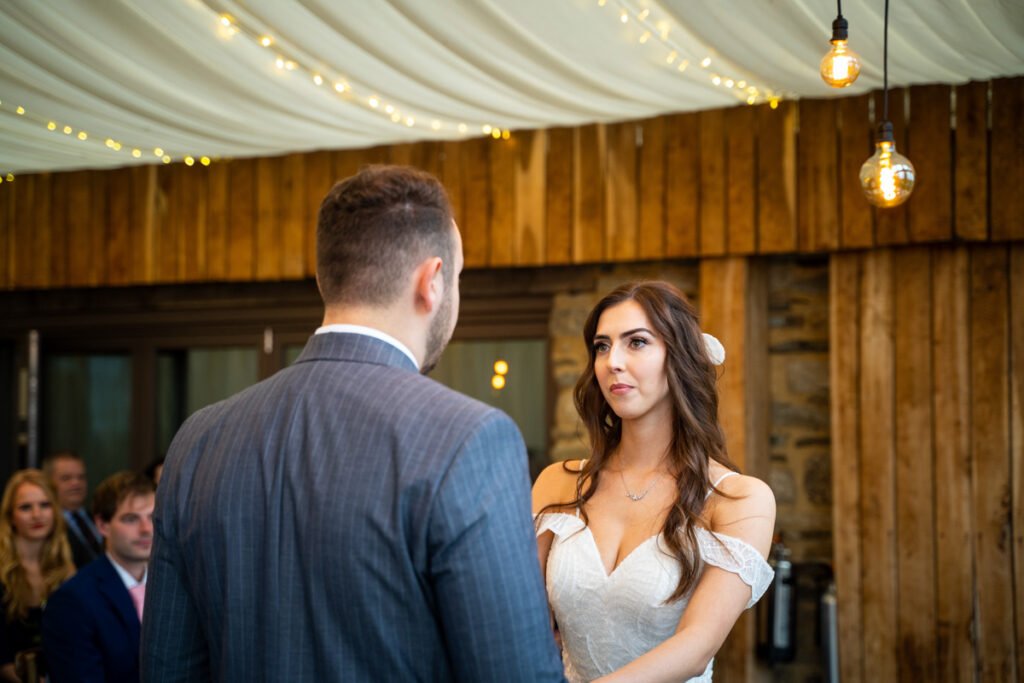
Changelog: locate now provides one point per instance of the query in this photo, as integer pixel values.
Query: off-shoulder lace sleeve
(558, 522)
(737, 556)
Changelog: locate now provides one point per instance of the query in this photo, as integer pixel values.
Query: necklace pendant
(636, 497)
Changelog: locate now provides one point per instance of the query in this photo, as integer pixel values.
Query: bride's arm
(553, 485)
(720, 598)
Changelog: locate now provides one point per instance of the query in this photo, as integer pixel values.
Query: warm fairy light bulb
(82, 135)
(136, 153)
(496, 133)
(51, 126)
(506, 134)
(189, 161)
(166, 159)
(374, 102)
(841, 66)
(318, 79)
(463, 128)
(20, 111)
(205, 161)
(887, 178)
(500, 367)
(486, 129)
(498, 382)
(706, 62)
(67, 130)
(435, 124)
(266, 41)
(158, 152)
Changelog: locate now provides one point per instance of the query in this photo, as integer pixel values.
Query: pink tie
(138, 593)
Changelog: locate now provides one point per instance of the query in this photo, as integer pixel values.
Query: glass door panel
(474, 368)
(87, 408)
(190, 379)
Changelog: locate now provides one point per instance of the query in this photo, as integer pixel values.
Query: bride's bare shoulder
(556, 484)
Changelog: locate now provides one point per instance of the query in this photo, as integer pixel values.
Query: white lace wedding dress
(608, 620)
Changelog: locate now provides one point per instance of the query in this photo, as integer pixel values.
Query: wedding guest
(91, 625)
(66, 471)
(34, 560)
(654, 545)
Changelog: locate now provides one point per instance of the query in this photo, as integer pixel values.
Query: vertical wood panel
(930, 149)
(504, 155)
(530, 183)
(877, 475)
(855, 147)
(61, 185)
(242, 222)
(741, 183)
(7, 235)
(42, 196)
(1017, 440)
(119, 246)
(970, 163)
(844, 378)
(23, 192)
(915, 500)
(1007, 203)
(733, 297)
(891, 224)
(559, 201)
(818, 176)
(651, 190)
(589, 155)
(712, 232)
(452, 179)
(320, 179)
(476, 225)
(193, 219)
(776, 178)
(293, 216)
(990, 448)
(143, 217)
(79, 224)
(99, 223)
(269, 239)
(620, 193)
(954, 570)
(218, 210)
(165, 242)
(682, 184)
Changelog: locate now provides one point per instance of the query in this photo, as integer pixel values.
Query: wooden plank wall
(928, 449)
(738, 181)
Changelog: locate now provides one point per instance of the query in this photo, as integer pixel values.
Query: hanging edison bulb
(841, 66)
(887, 178)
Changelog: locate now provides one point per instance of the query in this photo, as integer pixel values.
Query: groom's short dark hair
(372, 230)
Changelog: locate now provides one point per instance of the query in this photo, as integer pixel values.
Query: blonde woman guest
(35, 559)
(654, 545)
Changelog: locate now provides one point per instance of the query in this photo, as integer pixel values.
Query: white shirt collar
(128, 579)
(369, 332)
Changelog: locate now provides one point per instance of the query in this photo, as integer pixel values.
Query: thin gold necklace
(637, 497)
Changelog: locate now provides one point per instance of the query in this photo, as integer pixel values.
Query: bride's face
(629, 363)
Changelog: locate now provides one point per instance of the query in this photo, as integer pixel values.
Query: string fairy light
(228, 26)
(660, 29)
(109, 142)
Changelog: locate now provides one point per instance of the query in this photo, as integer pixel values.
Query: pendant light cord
(885, 65)
(839, 7)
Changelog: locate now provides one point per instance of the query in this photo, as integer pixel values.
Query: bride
(654, 546)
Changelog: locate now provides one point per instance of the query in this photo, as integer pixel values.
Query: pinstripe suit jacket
(346, 520)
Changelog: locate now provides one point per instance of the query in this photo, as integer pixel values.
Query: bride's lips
(619, 389)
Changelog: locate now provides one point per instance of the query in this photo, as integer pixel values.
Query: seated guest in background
(91, 625)
(34, 560)
(154, 470)
(66, 471)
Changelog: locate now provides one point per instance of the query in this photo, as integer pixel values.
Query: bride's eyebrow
(627, 333)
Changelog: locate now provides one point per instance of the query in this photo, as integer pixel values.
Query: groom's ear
(428, 284)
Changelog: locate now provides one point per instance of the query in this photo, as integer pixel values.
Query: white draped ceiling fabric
(191, 77)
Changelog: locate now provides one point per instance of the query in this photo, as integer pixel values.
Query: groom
(349, 519)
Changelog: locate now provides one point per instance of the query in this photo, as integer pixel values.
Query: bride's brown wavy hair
(697, 437)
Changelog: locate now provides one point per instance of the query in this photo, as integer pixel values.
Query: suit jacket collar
(111, 587)
(358, 348)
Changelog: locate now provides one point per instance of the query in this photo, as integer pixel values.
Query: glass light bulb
(887, 178)
(841, 66)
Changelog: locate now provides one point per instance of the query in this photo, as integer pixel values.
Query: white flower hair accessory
(716, 352)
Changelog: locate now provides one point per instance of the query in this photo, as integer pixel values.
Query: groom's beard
(439, 335)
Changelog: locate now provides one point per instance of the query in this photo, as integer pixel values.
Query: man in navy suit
(349, 519)
(91, 624)
(66, 471)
